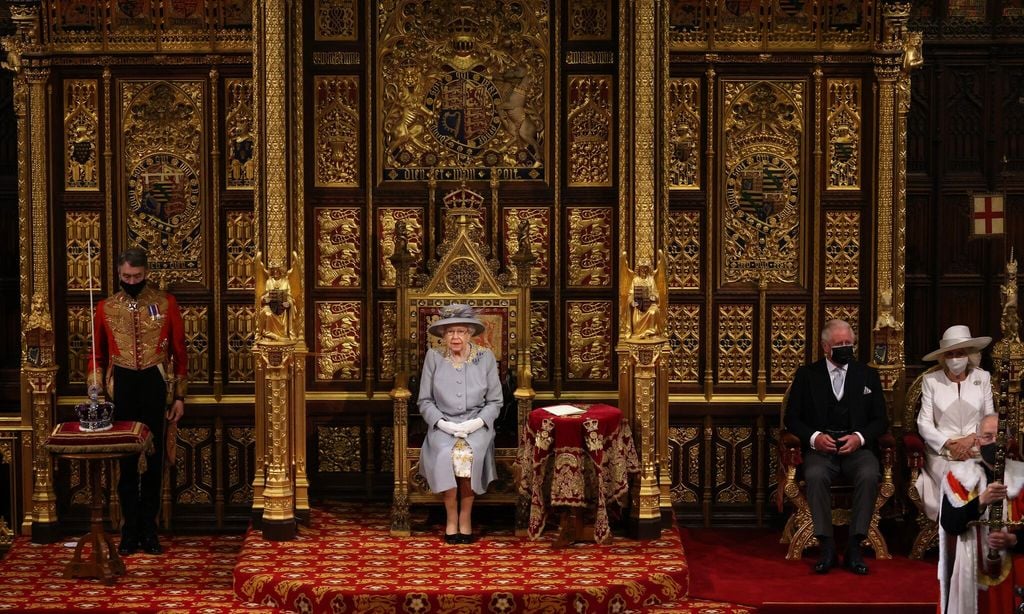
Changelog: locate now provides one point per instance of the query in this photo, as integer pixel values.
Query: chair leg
(787, 531)
(927, 536)
(803, 537)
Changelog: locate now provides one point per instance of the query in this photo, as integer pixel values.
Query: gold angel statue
(279, 298)
(643, 298)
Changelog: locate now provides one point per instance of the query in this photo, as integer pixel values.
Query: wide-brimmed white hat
(955, 338)
(457, 313)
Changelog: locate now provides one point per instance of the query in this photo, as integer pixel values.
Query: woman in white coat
(953, 401)
(459, 399)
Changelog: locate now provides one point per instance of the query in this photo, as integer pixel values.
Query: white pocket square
(867, 390)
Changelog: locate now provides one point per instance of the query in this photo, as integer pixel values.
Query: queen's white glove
(450, 427)
(470, 426)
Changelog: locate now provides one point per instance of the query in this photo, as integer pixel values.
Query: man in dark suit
(837, 410)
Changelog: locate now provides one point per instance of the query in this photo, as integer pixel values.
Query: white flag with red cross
(987, 214)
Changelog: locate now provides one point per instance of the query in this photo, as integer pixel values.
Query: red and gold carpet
(193, 575)
(345, 561)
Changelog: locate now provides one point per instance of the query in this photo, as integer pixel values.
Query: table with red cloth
(577, 461)
(122, 440)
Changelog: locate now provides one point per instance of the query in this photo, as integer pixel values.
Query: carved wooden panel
(964, 109)
(842, 250)
(588, 328)
(194, 475)
(684, 167)
(240, 446)
(81, 135)
(788, 341)
(686, 451)
(843, 133)
(339, 243)
(540, 340)
(684, 339)
(848, 312)
(239, 130)
(195, 320)
(589, 125)
(735, 343)
(83, 251)
(336, 20)
(590, 20)
(79, 343)
(339, 340)
(733, 473)
(336, 130)
(240, 339)
(539, 219)
(386, 219)
(684, 250)
(240, 250)
(388, 314)
(339, 448)
(590, 246)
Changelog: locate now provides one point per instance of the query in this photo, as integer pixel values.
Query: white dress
(948, 411)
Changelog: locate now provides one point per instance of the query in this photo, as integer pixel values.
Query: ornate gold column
(38, 372)
(1008, 352)
(280, 487)
(400, 394)
(643, 293)
(898, 53)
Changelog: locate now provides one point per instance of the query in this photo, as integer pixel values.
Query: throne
(463, 273)
(799, 529)
(913, 449)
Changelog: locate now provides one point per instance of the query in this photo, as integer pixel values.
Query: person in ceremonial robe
(969, 584)
(140, 359)
(837, 410)
(953, 401)
(459, 398)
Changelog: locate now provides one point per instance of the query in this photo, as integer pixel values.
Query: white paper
(564, 410)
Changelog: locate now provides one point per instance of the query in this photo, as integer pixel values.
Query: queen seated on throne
(460, 398)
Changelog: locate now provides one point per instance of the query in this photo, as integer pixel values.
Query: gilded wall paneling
(79, 342)
(684, 343)
(842, 250)
(738, 25)
(494, 76)
(336, 131)
(793, 25)
(589, 128)
(848, 312)
(844, 136)
(688, 24)
(162, 144)
(588, 328)
(540, 347)
(539, 219)
(240, 444)
(735, 342)
(336, 20)
(339, 340)
(240, 250)
(339, 449)
(339, 247)
(589, 257)
(684, 444)
(196, 322)
(387, 337)
(788, 341)
(240, 135)
(734, 464)
(849, 24)
(763, 140)
(684, 137)
(684, 250)
(387, 217)
(193, 463)
(240, 339)
(589, 20)
(81, 135)
(83, 248)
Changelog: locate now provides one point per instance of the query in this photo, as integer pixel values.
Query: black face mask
(988, 453)
(842, 354)
(135, 289)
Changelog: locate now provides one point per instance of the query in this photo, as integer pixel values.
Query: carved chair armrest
(790, 449)
(913, 449)
(887, 450)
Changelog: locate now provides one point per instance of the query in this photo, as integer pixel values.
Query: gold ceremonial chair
(913, 450)
(463, 274)
(799, 529)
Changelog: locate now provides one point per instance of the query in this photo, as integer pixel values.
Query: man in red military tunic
(140, 357)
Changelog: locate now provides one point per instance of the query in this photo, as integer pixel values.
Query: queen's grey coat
(458, 395)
